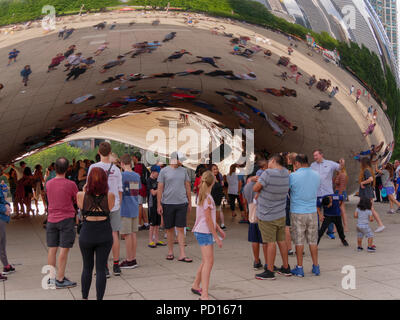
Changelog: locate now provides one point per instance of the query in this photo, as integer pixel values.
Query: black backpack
(145, 175)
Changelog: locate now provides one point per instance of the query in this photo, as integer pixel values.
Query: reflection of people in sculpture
(81, 99)
(177, 55)
(285, 122)
(323, 105)
(283, 91)
(284, 61)
(120, 60)
(371, 153)
(169, 36)
(242, 94)
(120, 77)
(284, 76)
(267, 54)
(311, 82)
(208, 60)
(189, 72)
(370, 129)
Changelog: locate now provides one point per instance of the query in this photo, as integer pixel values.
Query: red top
(197, 183)
(139, 170)
(61, 195)
(57, 60)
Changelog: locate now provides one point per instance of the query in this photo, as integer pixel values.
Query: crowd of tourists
(287, 202)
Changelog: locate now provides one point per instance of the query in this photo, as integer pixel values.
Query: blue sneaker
(298, 272)
(315, 270)
(332, 236)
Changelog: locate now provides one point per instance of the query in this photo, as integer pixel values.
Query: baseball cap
(155, 168)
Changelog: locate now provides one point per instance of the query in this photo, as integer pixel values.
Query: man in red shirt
(60, 230)
(143, 172)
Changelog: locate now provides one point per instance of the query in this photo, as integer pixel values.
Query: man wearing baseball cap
(174, 202)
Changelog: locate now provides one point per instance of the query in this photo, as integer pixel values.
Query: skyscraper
(387, 10)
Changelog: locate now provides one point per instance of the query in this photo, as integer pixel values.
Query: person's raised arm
(257, 187)
(341, 164)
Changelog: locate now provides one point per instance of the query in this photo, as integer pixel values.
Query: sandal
(185, 259)
(195, 291)
(170, 257)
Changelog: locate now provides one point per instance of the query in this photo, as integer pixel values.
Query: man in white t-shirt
(326, 170)
(115, 186)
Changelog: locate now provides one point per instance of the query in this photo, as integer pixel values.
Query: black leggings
(232, 198)
(337, 220)
(95, 239)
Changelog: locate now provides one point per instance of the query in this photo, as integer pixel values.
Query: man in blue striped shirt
(273, 186)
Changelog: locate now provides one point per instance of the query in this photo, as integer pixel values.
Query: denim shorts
(389, 190)
(204, 239)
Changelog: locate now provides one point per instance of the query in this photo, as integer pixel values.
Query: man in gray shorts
(174, 202)
(115, 186)
(60, 228)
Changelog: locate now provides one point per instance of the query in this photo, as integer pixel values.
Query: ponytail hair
(207, 179)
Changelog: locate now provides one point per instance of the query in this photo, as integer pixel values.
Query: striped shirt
(271, 203)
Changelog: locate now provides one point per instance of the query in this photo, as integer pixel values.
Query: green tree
(46, 157)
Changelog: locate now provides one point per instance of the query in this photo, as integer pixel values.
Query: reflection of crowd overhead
(244, 107)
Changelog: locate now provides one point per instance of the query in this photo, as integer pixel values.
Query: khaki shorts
(272, 231)
(304, 227)
(129, 225)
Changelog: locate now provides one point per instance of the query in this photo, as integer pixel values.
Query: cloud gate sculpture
(212, 74)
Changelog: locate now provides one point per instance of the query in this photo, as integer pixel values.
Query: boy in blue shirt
(332, 205)
(129, 211)
(12, 56)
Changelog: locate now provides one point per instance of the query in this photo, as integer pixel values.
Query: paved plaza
(377, 274)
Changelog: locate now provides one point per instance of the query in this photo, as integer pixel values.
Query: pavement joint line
(97, 42)
(94, 36)
(136, 291)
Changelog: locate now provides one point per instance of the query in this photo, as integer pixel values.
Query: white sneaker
(380, 229)
(391, 211)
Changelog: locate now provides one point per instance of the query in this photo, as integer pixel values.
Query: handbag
(383, 192)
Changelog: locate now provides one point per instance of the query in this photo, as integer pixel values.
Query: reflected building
(388, 13)
(351, 20)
